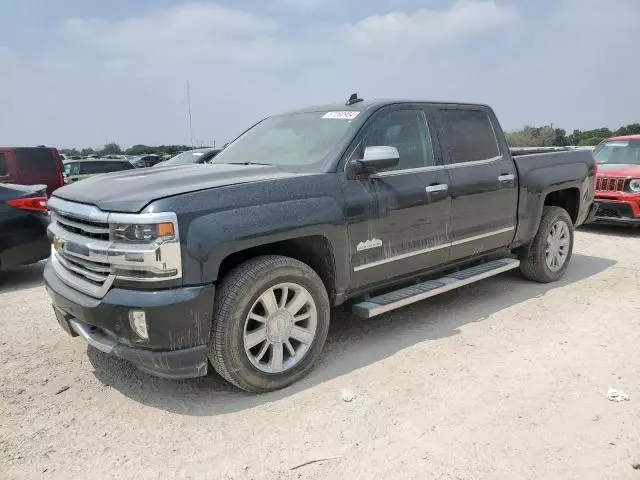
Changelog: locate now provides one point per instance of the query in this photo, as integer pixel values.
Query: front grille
(81, 240)
(85, 228)
(606, 184)
(94, 272)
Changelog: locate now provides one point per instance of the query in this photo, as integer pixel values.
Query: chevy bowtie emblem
(58, 243)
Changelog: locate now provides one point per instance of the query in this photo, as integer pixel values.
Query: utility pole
(190, 119)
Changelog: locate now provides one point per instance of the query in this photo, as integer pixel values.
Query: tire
(533, 262)
(261, 368)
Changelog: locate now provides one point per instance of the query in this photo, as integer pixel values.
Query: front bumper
(178, 322)
(620, 212)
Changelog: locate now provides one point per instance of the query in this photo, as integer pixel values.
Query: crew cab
(236, 264)
(618, 181)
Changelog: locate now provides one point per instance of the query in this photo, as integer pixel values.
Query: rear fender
(538, 183)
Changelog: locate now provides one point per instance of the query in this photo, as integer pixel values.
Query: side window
(93, 168)
(4, 169)
(407, 131)
(72, 168)
(470, 135)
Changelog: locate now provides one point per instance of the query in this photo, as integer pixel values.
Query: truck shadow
(22, 278)
(352, 343)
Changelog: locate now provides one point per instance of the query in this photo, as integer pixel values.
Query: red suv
(618, 180)
(31, 166)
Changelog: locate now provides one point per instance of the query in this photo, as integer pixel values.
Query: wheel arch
(313, 250)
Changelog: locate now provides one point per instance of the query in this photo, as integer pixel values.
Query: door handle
(506, 177)
(439, 187)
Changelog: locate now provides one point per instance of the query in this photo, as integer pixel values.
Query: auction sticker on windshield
(347, 115)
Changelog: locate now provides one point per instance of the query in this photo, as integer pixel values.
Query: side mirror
(377, 159)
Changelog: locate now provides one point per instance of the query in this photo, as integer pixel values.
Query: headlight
(634, 186)
(145, 247)
(143, 233)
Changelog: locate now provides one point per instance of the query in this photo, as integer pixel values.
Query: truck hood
(130, 191)
(618, 170)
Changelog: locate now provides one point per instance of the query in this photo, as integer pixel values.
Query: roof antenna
(353, 99)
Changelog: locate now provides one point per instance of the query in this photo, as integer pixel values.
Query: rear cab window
(470, 136)
(36, 160)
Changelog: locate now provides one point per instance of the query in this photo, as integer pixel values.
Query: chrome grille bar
(89, 229)
(79, 269)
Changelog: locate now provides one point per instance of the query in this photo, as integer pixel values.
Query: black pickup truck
(236, 264)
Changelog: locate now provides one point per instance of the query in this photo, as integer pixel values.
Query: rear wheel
(547, 258)
(270, 323)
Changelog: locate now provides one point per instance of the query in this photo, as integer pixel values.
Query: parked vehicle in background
(23, 225)
(237, 263)
(618, 181)
(75, 170)
(191, 157)
(31, 166)
(145, 161)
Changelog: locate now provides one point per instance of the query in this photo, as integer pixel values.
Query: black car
(145, 161)
(23, 225)
(191, 157)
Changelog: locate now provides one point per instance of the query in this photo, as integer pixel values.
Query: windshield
(619, 152)
(295, 140)
(184, 158)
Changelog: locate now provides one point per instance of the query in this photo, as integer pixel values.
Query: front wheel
(547, 258)
(270, 323)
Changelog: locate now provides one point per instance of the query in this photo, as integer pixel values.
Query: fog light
(138, 321)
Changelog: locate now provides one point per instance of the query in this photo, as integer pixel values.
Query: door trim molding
(432, 249)
(436, 168)
(484, 235)
(400, 257)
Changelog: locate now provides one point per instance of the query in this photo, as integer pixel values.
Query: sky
(81, 73)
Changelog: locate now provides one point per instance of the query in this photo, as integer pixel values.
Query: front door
(398, 220)
(484, 181)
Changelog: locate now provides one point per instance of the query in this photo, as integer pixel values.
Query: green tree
(633, 129)
(87, 151)
(111, 149)
(560, 139)
(138, 150)
(533, 137)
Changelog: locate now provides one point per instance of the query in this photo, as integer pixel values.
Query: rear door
(398, 220)
(484, 195)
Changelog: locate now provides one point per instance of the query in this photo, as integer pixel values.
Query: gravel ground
(504, 379)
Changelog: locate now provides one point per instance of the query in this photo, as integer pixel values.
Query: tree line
(115, 149)
(547, 136)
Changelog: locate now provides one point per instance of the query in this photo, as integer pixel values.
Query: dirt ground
(504, 379)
